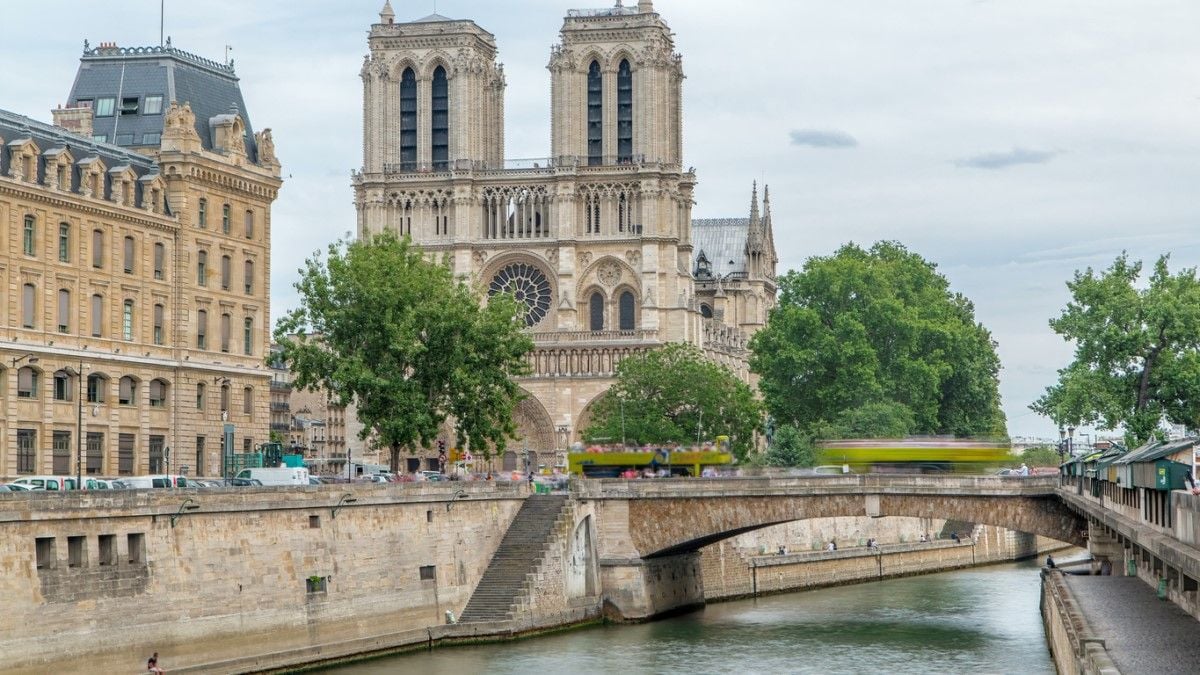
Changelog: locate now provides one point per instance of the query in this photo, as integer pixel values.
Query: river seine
(983, 620)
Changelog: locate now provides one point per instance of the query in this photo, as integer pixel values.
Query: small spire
(645, 6)
(386, 15)
(754, 205)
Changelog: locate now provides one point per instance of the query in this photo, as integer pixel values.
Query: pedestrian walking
(152, 665)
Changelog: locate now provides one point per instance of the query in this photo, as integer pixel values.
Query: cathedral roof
(130, 75)
(723, 243)
(432, 18)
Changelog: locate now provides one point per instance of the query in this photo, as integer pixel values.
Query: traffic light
(441, 445)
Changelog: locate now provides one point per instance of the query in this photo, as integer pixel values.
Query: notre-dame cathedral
(597, 239)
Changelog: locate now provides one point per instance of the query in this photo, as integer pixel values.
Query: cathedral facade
(597, 239)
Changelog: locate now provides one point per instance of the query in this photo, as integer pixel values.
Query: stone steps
(507, 577)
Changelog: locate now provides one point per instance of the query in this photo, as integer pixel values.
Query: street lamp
(1062, 443)
(1071, 440)
(78, 375)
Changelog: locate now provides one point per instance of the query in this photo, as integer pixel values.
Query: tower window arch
(440, 120)
(626, 318)
(408, 120)
(595, 115)
(706, 311)
(596, 312)
(624, 113)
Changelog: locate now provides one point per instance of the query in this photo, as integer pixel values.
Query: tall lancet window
(595, 115)
(441, 120)
(408, 120)
(624, 113)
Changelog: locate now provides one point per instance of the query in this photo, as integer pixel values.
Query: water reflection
(983, 621)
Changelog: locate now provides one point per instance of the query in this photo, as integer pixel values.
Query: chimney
(77, 120)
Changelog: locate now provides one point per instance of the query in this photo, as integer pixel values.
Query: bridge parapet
(851, 484)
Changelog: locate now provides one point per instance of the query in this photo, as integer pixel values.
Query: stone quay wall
(258, 577)
(1072, 646)
(731, 569)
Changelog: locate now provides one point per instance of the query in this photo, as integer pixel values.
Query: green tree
(381, 326)
(1137, 351)
(1041, 455)
(873, 342)
(790, 447)
(673, 394)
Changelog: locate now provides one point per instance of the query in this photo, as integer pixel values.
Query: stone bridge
(649, 532)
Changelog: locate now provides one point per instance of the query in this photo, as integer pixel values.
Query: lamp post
(1071, 441)
(1062, 443)
(78, 374)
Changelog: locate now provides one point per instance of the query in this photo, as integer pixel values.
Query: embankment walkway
(1142, 633)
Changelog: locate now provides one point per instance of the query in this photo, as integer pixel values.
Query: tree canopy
(873, 343)
(790, 447)
(381, 326)
(1137, 351)
(674, 394)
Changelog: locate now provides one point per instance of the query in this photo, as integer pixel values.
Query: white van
(51, 483)
(284, 475)
(150, 482)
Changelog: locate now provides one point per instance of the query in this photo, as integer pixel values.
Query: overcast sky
(1011, 141)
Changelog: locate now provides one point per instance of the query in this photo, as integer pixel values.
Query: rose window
(528, 285)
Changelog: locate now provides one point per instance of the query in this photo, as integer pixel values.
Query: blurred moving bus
(915, 455)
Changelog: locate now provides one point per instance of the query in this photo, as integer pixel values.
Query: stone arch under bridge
(673, 521)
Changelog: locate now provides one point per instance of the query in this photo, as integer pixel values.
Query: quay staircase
(508, 575)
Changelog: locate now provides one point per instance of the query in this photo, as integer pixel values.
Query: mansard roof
(723, 243)
(121, 73)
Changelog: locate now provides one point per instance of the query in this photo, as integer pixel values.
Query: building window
(248, 336)
(127, 320)
(64, 242)
(226, 329)
(45, 556)
(200, 390)
(249, 224)
(128, 391)
(225, 212)
(95, 453)
(706, 311)
(129, 105)
(624, 113)
(60, 455)
(151, 139)
(226, 272)
(100, 138)
(440, 122)
(104, 106)
(152, 105)
(159, 313)
(28, 305)
(95, 388)
(97, 316)
(108, 550)
(158, 394)
(202, 220)
(625, 311)
(202, 268)
(64, 310)
(199, 455)
(408, 120)
(62, 386)
(127, 255)
(26, 450)
(427, 573)
(248, 273)
(160, 259)
(595, 115)
(27, 383)
(225, 398)
(124, 139)
(202, 329)
(125, 444)
(97, 248)
(248, 402)
(29, 240)
(157, 455)
(596, 311)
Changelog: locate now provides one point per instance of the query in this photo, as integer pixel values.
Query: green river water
(983, 620)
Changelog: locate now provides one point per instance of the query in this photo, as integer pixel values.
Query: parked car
(51, 483)
(245, 482)
(283, 475)
(433, 475)
(19, 487)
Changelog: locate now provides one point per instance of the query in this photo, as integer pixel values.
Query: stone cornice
(69, 201)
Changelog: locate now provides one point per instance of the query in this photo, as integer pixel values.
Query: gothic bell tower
(433, 95)
(617, 88)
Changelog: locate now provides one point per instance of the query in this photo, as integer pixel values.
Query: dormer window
(104, 106)
(152, 105)
(129, 105)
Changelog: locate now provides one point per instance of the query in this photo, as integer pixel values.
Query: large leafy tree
(872, 342)
(382, 326)
(1137, 351)
(673, 394)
